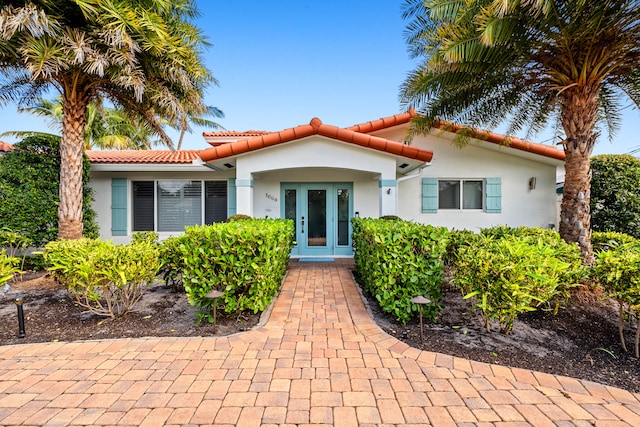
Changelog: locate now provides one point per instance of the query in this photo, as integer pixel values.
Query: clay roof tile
(142, 156)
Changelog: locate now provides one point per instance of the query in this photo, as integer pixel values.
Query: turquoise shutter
(429, 195)
(494, 195)
(118, 206)
(231, 197)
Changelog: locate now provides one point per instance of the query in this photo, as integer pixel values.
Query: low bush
(104, 278)
(618, 271)
(16, 243)
(150, 237)
(391, 218)
(399, 260)
(238, 217)
(172, 262)
(8, 267)
(507, 275)
(245, 260)
(457, 239)
(605, 240)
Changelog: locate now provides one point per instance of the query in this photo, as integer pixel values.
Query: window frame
(461, 182)
(156, 200)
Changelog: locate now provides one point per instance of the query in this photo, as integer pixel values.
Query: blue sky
(281, 63)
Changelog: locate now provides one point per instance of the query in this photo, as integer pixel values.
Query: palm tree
(144, 56)
(532, 61)
(105, 128)
(110, 128)
(200, 120)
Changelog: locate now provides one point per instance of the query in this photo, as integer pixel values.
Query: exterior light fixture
(420, 300)
(532, 183)
(214, 294)
(21, 332)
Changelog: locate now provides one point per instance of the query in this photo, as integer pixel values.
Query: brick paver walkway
(319, 360)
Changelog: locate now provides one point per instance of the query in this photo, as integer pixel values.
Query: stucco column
(388, 197)
(244, 196)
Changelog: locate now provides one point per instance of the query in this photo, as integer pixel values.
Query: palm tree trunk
(578, 117)
(71, 152)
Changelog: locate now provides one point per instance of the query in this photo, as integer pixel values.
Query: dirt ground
(50, 315)
(580, 342)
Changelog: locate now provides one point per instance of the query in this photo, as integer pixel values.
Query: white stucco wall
(481, 160)
(267, 195)
(315, 159)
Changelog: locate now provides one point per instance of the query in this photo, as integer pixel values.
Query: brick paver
(319, 359)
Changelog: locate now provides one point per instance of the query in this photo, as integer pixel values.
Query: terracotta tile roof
(495, 138)
(512, 142)
(142, 156)
(4, 147)
(384, 122)
(235, 134)
(315, 127)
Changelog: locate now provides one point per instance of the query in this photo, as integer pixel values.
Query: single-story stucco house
(321, 176)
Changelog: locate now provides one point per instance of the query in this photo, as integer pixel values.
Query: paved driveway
(319, 360)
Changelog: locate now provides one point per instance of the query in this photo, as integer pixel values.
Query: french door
(321, 213)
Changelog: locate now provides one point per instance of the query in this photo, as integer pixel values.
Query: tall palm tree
(200, 120)
(105, 128)
(111, 128)
(532, 61)
(142, 55)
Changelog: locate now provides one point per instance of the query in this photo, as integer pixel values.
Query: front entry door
(321, 214)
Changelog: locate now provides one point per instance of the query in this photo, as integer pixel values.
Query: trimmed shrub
(246, 260)
(500, 231)
(618, 270)
(238, 217)
(150, 237)
(399, 260)
(604, 241)
(104, 278)
(391, 218)
(509, 275)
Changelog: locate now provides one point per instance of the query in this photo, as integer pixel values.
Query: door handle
(302, 231)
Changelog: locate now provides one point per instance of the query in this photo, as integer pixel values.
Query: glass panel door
(343, 216)
(321, 213)
(317, 217)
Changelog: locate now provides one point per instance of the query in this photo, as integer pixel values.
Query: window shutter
(118, 206)
(231, 206)
(429, 195)
(494, 195)
(215, 202)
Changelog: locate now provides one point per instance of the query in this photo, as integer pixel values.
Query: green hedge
(507, 274)
(246, 260)
(398, 260)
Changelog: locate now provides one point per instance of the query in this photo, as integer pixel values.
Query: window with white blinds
(179, 204)
(172, 205)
